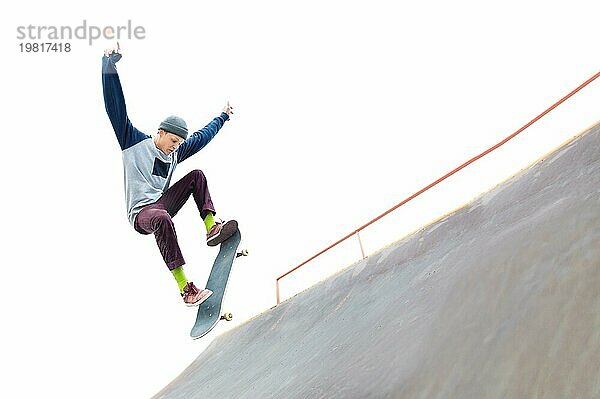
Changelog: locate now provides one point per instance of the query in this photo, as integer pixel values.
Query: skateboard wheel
(243, 252)
(227, 317)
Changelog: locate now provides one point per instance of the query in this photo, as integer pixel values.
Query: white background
(342, 110)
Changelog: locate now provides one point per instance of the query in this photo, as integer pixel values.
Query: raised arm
(202, 137)
(114, 102)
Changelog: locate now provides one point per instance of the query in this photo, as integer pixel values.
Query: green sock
(209, 221)
(179, 275)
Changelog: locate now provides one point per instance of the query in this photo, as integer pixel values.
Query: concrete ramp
(500, 299)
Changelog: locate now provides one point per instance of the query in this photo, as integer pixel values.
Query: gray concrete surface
(501, 299)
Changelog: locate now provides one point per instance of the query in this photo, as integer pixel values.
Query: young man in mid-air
(149, 163)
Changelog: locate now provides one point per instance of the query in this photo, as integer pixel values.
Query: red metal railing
(464, 165)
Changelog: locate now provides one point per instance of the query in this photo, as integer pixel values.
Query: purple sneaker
(221, 232)
(192, 296)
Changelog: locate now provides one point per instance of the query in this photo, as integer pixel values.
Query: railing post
(362, 250)
(277, 289)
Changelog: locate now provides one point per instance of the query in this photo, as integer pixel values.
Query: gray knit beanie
(176, 125)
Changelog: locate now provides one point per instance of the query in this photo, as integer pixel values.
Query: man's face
(168, 142)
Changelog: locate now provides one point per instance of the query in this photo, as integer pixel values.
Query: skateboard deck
(209, 311)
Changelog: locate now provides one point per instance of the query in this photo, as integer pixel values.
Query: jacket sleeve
(201, 138)
(114, 102)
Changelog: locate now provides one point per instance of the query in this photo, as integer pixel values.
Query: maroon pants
(156, 218)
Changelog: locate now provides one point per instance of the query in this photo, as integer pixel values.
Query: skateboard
(209, 311)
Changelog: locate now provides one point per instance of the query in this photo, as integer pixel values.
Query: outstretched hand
(117, 50)
(228, 109)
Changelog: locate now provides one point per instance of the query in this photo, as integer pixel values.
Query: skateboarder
(149, 163)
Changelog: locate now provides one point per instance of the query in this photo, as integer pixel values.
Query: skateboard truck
(243, 252)
(227, 316)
